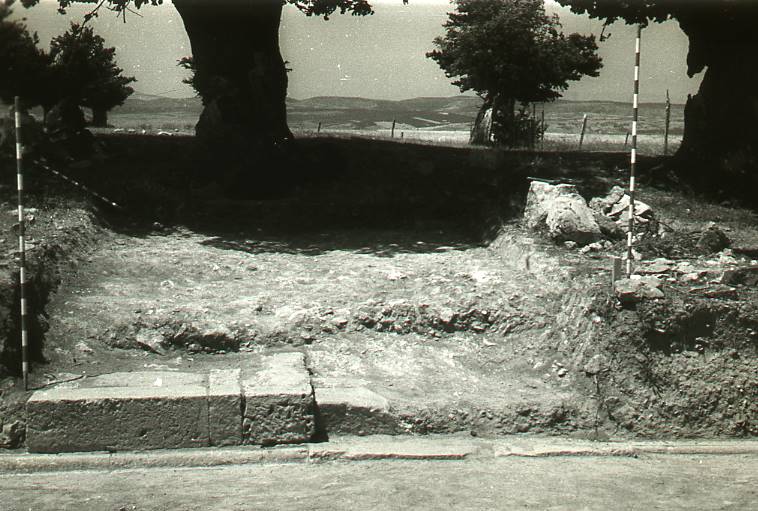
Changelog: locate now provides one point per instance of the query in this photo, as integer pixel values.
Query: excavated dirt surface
(459, 328)
(439, 324)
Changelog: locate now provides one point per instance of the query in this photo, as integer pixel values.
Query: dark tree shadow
(381, 243)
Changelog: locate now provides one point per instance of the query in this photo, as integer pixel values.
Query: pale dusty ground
(648, 482)
(369, 309)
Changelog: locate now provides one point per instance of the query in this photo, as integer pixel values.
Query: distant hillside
(459, 112)
(147, 103)
(463, 104)
(435, 113)
(361, 113)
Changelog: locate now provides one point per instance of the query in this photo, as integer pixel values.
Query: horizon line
(428, 97)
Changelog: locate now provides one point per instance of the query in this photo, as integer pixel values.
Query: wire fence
(569, 126)
(607, 127)
(648, 144)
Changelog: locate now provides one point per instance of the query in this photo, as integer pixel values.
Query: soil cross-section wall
(61, 230)
(678, 367)
(55, 236)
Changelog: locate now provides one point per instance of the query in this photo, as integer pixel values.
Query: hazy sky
(380, 56)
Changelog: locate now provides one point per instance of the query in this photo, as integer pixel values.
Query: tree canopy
(719, 151)
(323, 8)
(87, 72)
(78, 67)
(511, 51)
(512, 48)
(24, 66)
(714, 27)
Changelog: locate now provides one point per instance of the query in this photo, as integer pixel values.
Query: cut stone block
(113, 418)
(144, 379)
(225, 407)
(354, 411)
(279, 404)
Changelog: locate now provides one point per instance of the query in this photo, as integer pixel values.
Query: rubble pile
(614, 207)
(558, 211)
(699, 264)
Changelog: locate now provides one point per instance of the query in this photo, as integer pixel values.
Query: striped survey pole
(22, 245)
(633, 166)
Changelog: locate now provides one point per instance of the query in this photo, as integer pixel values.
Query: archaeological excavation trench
(402, 276)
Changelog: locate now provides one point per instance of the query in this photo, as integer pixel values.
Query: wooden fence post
(542, 129)
(668, 123)
(584, 127)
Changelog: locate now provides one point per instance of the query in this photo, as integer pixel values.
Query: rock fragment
(746, 276)
(612, 212)
(620, 210)
(561, 213)
(12, 435)
(712, 240)
(603, 204)
(634, 290)
(714, 291)
(595, 365)
(657, 266)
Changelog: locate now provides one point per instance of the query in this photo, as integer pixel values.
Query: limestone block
(225, 407)
(279, 403)
(117, 418)
(355, 411)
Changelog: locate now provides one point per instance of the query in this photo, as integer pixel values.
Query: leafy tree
(87, 72)
(235, 51)
(720, 146)
(24, 67)
(509, 52)
(78, 67)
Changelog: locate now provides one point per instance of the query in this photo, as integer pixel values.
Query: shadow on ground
(380, 244)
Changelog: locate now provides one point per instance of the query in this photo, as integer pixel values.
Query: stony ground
(428, 320)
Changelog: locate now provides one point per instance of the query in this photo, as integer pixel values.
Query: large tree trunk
(99, 117)
(481, 132)
(719, 151)
(241, 77)
(505, 131)
(496, 123)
